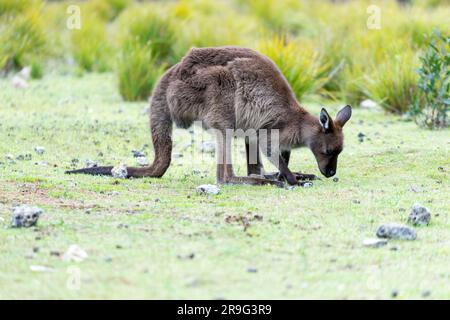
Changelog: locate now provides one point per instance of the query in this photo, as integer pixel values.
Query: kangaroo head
(328, 142)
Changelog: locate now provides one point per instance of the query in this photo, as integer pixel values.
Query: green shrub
(22, 38)
(300, 64)
(393, 83)
(14, 7)
(150, 29)
(138, 70)
(106, 10)
(432, 102)
(89, 45)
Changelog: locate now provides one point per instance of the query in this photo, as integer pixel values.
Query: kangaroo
(231, 88)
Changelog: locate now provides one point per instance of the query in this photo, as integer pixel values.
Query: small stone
(142, 161)
(19, 83)
(394, 293)
(374, 243)
(75, 253)
(25, 216)
(138, 154)
(396, 231)
(41, 269)
(252, 270)
(208, 147)
(209, 189)
(119, 172)
(39, 150)
(335, 179)
(368, 104)
(307, 184)
(426, 293)
(361, 137)
(177, 155)
(419, 215)
(25, 73)
(91, 163)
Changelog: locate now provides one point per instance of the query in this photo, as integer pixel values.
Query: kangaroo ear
(344, 115)
(325, 120)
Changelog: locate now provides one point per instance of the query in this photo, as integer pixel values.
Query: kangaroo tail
(96, 171)
(161, 128)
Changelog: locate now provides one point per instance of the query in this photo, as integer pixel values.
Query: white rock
(142, 161)
(36, 268)
(368, 104)
(120, 171)
(91, 163)
(75, 254)
(307, 184)
(419, 215)
(25, 73)
(208, 147)
(210, 189)
(19, 83)
(374, 243)
(25, 216)
(39, 150)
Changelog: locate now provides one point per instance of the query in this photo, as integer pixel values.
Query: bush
(432, 102)
(106, 10)
(301, 65)
(150, 29)
(137, 70)
(22, 38)
(393, 83)
(89, 45)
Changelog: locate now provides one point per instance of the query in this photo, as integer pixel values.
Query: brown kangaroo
(231, 88)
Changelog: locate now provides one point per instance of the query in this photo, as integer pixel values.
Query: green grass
(308, 244)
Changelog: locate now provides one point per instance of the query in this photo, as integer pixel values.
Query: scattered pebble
(25, 216)
(210, 189)
(26, 157)
(307, 184)
(75, 253)
(374, 243)
(142, 161)
(252, 270)
(361, 137)
(39, 150)
(138, 154)
(120, 171)
(177, 155)
(419, 215)
(368, 104)
(91, 163)
(208, 147)
(25, 73)
(19, 83)
(335, 179)
(396, 231)
(40, 269)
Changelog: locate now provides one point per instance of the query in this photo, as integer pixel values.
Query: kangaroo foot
(298, 175)
(253, 180)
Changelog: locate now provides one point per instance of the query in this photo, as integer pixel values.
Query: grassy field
(156, 238)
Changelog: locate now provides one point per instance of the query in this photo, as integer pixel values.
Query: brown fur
(236, 88)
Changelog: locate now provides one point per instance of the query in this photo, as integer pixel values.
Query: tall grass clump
(432, 103)
(149, 28)
(107, 10)
(393, 82)
(22, 35)
(89, 45)
(301, 65)
(138, 71)
(146, 49)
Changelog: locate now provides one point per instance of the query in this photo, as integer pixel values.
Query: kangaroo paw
(252, 181)
(305, 176)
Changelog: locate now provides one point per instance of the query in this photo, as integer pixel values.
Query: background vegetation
(324, 48)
